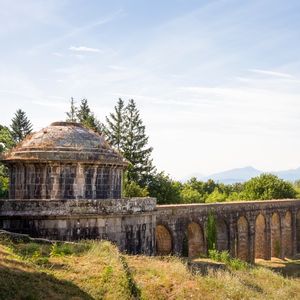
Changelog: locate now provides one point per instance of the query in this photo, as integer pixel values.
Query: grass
(97, 270)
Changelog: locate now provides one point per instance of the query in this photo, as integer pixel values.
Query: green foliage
(132, 189)
(216, 196)
(267, 186)
(224, 257)
(84, 115)
(190, 195)
(21, 126)
(6, 139)
(211, 231)
(115, 128)
(164, 189)
(72, 114)
(135, 146)
(6, 143)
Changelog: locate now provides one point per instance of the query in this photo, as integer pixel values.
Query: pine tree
(72, 114)
(20, 126)
(87, 118)
(114, 129)
(134, 146)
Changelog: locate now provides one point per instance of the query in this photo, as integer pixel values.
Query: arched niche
(260, 237)
(275, 235)
(195, 240)
(163, 240)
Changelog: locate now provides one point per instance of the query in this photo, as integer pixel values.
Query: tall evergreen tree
(86, 117)
(72, 114)
(21, 126)
(115, 129)
(135, 146)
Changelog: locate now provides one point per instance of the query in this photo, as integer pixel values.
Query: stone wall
(129, 223)
(248, 230)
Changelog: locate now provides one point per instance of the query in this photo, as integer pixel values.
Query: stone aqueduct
(65, 184)
(248, 230)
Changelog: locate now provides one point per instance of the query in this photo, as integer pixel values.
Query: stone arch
(287, 235)
(275, 235)
(195, 240)
(260, 237)
(163, 240)
(243, 239)
(222, 236)
(298, 230)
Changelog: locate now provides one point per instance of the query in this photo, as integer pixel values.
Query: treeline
(125, 131)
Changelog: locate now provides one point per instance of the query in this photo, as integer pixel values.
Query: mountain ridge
(243, 174)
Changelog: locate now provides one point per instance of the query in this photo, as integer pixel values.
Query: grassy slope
(98, 271)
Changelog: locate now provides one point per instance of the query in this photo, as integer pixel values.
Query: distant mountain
(291, 175)
(234, 175)
(246, 173)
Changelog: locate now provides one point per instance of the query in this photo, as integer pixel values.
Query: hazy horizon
(217, 82)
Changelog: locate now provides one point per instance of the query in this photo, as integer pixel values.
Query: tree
(6, 143)
(267, 186)
(189, 195)
(115, 129)
(72, 114)
(87, 118)
(135, 147)
(20, 126)
(216, 196)
(164, 189)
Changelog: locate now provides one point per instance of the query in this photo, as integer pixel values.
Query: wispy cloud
(84, 49)
(271, 73)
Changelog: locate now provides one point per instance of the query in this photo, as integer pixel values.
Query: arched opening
(260, 237)
(163, 240)
(275, 236)
(287, 235)
(298, 231)
(195, 240)
(243, 239)
(222, 236)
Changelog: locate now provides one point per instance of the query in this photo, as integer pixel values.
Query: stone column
(251, 222)
(294, 231)
(282, 234)
(232, 236)
(268, 236)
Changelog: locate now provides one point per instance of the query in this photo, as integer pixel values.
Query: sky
(217, 82)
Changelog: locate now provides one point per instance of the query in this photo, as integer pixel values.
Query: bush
(267, 186)
(132, 189)
(224, 257)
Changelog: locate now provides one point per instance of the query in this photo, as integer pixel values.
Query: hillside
(97, 270)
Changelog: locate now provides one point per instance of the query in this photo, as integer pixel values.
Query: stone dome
(65, 141)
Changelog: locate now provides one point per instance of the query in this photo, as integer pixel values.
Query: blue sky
(217, 82)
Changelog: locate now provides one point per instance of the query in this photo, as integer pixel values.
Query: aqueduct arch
(163, 240)
(260, 237)
(287, 235)
(243, 239)
(275, 235)
(195, 240)
(222, 235)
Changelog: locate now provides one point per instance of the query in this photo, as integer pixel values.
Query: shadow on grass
(286, 267)
(19, 283)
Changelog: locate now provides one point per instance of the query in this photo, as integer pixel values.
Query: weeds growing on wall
(211, 231)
